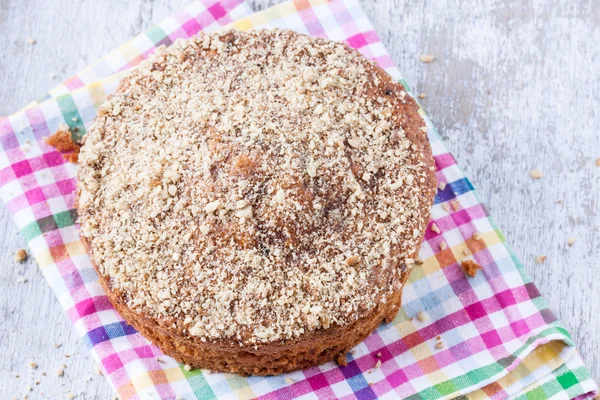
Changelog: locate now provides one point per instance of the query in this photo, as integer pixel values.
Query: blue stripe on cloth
(453, 189)
(108, 332)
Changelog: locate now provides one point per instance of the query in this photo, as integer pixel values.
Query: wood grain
(515, 85)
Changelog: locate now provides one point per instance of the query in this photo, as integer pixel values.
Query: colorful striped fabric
(499, 337)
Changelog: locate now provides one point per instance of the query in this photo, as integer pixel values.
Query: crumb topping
(255, 186)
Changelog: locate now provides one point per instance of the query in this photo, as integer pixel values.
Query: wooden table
(515, 85)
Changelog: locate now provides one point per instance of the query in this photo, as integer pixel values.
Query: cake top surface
(252, 187)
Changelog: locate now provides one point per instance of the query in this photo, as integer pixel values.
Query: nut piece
(356, 143)
(597, 162)
(212, 206)
(426, 58)
(442, 185)
(536, 174)
(187, 367)
(443, 246)
(540, 259)
(245, 212)
(571, 241)
(477, 236)
(455, 203)
(440, 345)
(470, 267)
(421, 316)
(435, 228)
(29, 40)
(20, 255)
(352, 260)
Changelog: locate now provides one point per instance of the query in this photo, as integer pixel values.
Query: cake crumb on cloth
(62, 141)
(470, 267)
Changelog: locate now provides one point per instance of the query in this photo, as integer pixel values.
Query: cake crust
(275, 236)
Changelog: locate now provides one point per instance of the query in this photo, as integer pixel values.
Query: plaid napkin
(500, 339)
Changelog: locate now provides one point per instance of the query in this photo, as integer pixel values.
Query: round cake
(254, 202)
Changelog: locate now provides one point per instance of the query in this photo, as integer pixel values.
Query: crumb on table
(536, 174)
(426, 58)
(20, 255)
(470, 267)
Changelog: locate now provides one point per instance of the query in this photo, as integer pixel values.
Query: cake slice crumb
(20, 255)
(341, 360)
(470, 267)
(62, 141)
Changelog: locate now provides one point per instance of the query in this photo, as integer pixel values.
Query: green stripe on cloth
(564, 380)
(478, 375)
(31, 231)
(65, 218)
(71, 115)
(198, 384)
(156, 34)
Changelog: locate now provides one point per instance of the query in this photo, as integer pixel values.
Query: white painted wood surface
(515, 85)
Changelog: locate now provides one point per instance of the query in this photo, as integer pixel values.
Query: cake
(254, 202)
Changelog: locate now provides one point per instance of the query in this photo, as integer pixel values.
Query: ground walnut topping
(253, 186)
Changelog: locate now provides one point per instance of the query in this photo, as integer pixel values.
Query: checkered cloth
(500, 339)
